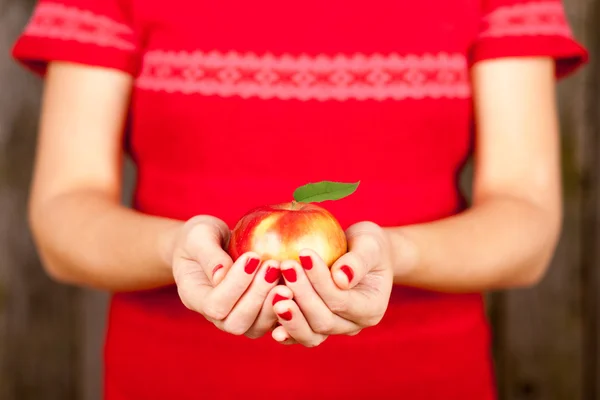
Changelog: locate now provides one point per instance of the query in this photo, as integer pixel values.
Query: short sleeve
(520, 28)
(91, 32)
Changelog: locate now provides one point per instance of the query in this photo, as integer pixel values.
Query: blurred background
(546, 339)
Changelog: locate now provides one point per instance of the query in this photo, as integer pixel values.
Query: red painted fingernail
(289, 274)
(306, 262)
(251, 265)
(277, 298)
(272, 274)
(286, 316)
(348, 271)
(215, 269)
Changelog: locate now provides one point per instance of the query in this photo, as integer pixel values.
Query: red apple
(279, 232)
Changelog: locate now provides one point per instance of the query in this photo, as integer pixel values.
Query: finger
(193, 286)
(267, 319)
(226, 294)
(320, 318)
(364, 255)
(295, 324)
(205, 243)
(351, 305)
(246, 310)
(280, 335)
(319, 275)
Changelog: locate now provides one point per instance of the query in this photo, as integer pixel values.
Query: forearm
(501, 242)
(87, 239)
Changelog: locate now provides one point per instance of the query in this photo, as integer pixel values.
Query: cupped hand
(235, 296)
(351, 296)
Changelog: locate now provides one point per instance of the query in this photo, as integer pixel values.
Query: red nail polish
(251, 265)
(348, 271)
(286, 316)
(277, 298)
(272, 274)
(215, 269)
(289, 274)
(306, 262)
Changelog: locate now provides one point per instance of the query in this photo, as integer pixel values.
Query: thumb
(205, 241)
(365, 248)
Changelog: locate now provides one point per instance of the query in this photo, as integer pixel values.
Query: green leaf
(323, 191)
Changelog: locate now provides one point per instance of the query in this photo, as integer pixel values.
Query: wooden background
(546, 339)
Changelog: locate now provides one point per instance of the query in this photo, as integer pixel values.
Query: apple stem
(294, 204)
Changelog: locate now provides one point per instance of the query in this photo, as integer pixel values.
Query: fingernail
(286, 316)
(306, 262)
(272, 274)
(289, 274)
(348, 271)
(277, 298)
(251, 265)
(215, 269)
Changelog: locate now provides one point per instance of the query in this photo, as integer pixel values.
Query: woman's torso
(238, 103)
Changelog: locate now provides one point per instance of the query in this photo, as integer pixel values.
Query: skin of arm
(83, 235)
(508, 237)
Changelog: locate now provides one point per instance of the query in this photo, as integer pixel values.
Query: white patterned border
(304, 77)
(527, 19)
(58, 21)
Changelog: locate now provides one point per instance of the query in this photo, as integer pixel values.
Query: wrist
(167, 241)
(404, 254)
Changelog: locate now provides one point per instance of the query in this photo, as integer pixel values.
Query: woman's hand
(235, 296)
(352, 296)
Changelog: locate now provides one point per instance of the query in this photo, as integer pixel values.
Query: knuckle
(187, 304)
(218, 325)
(214, 312)
(314, 342)
(194, 234)
(257, 295)
(363, 227)
(189, 244)
(337, 306)
(202, 221)
(185, 299)
(367, 226)
(196, 220)
(234, 327)
(254, 334)
(371, 321)
(240, 285)
(370, 249)
(199, 233)
(324, 326)
(371, 235)
(372, 243)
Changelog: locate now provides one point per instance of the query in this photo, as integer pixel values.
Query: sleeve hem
(35, 54)
(568, 54)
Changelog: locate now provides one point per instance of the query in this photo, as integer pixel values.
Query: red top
(236, 103)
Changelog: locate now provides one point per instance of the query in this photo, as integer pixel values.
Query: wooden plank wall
(39, 329)
(588, 126)
(546, 339)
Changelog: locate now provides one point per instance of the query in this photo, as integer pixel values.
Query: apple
(280, 231)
